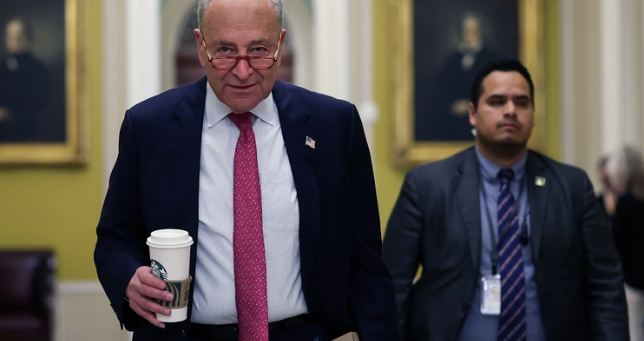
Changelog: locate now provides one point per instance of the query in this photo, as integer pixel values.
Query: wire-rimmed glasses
(228, 63)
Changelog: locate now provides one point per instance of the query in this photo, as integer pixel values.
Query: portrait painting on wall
(39, 82)
(453, 40)
(447, 43)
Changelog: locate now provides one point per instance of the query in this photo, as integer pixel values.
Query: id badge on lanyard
(491, 284)
(491, 295)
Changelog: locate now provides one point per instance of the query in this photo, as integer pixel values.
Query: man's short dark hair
(505, 65)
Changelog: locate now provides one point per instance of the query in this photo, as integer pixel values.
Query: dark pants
(311, 331)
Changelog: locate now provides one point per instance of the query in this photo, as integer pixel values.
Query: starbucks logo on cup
(158, 270)
(180, 289)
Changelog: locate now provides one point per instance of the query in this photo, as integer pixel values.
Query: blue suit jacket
(155, 185)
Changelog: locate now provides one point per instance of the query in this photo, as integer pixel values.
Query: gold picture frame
(71, 146)
(406, 150)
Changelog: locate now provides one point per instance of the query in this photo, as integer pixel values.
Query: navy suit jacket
(155, 185)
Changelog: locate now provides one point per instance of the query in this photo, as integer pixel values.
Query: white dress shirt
(214, 296)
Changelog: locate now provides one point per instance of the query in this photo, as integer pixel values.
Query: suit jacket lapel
(183, 136)
(295, 128)
(538, 199)
(468, 198)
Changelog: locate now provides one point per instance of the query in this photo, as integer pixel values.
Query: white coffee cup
(170, 261)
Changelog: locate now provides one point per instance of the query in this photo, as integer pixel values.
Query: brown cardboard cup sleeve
(180, 291)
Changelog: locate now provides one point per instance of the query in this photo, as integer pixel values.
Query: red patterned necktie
(248, 237)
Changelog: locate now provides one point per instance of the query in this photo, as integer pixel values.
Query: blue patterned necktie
(512, 322)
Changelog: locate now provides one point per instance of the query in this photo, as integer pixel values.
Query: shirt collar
(216, 110)
(490, 170)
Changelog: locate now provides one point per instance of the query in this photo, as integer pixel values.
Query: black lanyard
(495, 247)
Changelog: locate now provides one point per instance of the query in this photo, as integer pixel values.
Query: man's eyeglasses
(228, 63)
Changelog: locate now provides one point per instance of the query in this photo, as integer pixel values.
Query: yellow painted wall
(552, 78)
(388, 178)
(58, 207)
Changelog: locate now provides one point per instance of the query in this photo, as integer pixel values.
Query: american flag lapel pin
(310, 142)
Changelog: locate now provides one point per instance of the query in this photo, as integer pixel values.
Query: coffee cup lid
(169, 238)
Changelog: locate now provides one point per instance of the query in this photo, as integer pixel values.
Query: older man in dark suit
(513, 245)
(273, 182)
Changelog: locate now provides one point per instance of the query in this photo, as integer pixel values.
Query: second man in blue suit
(513, 245)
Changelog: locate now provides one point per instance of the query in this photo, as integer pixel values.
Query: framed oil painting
(438, 47)
(42, 82)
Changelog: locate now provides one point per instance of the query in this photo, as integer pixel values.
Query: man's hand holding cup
(144, 292)
(159, 292)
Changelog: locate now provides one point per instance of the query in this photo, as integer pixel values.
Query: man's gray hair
(277, 6)
(625, 169)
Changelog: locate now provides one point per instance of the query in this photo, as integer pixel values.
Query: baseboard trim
(79, 288)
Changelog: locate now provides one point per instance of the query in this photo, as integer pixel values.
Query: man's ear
(279, 55)
(200, 47)
(472, 112)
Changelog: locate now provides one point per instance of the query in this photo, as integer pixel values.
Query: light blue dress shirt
(214, 293)
(479, 327)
